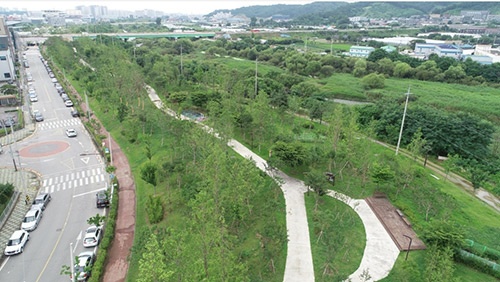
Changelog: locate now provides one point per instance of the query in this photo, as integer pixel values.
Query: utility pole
(181, 62)
(87, 103)
(403, 120)
(255, 77)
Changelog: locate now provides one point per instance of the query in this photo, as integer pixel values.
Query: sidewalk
(25, 181)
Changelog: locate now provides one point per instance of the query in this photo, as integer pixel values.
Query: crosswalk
(74, 179)
(49, 125)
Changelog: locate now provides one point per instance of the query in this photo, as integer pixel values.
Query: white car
(68, 103)
(54, 80)
(70, 132)
(33, 98)
(16, 243)
(92, 236)
(31, 219)
(83, 266)
(31, 90)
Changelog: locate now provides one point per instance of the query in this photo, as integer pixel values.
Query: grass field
(337, 238)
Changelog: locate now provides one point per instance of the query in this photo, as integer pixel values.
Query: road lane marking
(4, 263)
(57, 243)
(90, 192)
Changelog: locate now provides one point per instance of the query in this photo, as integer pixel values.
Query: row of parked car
(19, 238)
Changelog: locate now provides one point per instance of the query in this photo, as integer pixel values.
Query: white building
(7, 71)
(442, 50)
(360, 51)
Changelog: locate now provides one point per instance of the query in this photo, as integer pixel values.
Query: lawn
(337, 238)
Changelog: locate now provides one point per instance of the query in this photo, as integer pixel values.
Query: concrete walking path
(380, 252)
(299, 264)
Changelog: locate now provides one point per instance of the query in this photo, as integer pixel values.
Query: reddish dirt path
(117, 264)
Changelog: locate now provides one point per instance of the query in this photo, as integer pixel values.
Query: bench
(403, 217)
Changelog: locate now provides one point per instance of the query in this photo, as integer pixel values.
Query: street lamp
(10, 145)
(72, 266)
(409, 246)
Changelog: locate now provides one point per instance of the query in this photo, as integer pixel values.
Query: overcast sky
(168, 6)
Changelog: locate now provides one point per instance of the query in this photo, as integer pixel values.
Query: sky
(198, 7)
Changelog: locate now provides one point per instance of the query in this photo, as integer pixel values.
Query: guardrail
(8, 209)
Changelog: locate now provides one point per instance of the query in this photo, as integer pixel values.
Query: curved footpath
(380, 252)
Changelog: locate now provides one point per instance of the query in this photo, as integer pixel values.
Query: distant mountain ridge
(323, 11)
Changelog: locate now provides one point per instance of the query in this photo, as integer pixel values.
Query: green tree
(292, 154)
(373, 81)
(304, 89)
(385, 66)
(439, 265)
(454, 74)
(417, 144)
(360, 68)
(381, 174)
(403, 70)
(148, 173)
(444, 234)
(377, 55)
(152, 263)
(96, 220)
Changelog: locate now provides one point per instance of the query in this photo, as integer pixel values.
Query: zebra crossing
(48, 125)
(74, 179)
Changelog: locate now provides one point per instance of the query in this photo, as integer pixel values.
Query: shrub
(6, 191)
(154, 209)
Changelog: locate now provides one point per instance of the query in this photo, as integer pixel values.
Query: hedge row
(482, 250)
(478, 263)
(109, 234)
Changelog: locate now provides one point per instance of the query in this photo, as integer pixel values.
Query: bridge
(127, 36)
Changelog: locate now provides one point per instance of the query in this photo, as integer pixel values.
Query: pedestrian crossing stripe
(58, 124)
(73, 180)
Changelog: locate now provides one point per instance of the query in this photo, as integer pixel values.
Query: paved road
(69, 169)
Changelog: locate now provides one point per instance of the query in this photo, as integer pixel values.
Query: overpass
(127, 36)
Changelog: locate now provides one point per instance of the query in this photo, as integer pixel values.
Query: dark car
(75, 113)
(102, 199)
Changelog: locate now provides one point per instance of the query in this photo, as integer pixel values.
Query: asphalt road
(70, 169)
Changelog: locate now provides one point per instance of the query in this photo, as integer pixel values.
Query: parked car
(17, 242)
(54, 80)
(75, 113)
(41, 201)
(38, 116)
(71, 132)
(31, 90)
(9, 122)
(31, 219)
(64, 97)
(102, 199)
(68, 103)
(92, 236)
(83, 265)
(33, 98)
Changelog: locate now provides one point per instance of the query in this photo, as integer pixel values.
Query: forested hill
(326, 10)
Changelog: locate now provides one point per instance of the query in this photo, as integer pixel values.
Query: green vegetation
(200, 192)
(332, 225)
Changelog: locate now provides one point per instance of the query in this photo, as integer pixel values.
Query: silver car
(41, 201)
(31, 219)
